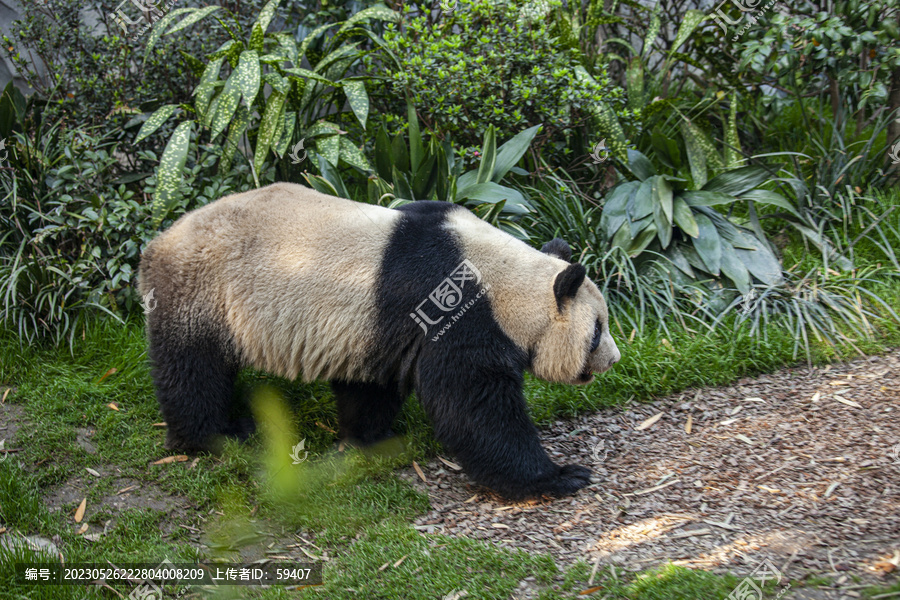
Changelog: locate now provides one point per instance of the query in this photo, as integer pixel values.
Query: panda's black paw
(240, 428)
(571, 478)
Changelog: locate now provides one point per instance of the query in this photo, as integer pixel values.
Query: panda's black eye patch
(595, 341)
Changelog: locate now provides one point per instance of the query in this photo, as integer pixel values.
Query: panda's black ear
(559, 248)
(568, 282)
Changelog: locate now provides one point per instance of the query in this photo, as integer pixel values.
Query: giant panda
(379, 302)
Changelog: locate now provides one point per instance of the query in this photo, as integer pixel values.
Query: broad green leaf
(622, 236)
(614, 210)
(344, 52)
(193, 18)
(640, 203)
(416, 150)
(160, 116)
(677, 256)
(773, 198)
(353, 156)
(488, 156)
(379, 11)
(169, 173)
(705, 198)
(509, 154)
(643, 239)
(266, 14)
(652, 30)
(639, 165)
(634, 78)
(159, 28)
(277, 82)
(268, 126)
(304, 45)
(257, 41)
(708, 244)
(287, 133)
(307, 74)
(355, 89)
(684, 218)
(329, 147)
(226, 103)
(733, 158)
(689, 22)
(695, 154)
(207, 86)
(425, 178)
(330, 173)
(399, 154)
(761, 262)
(235, 131)
(662, 196)
(737, 181)
(383, 162)
(402, 188)
(493, 192)
(322, 128)
(248, 74)
(320, 184)
(734, 269)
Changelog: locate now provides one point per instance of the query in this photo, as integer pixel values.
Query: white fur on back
(294, 272)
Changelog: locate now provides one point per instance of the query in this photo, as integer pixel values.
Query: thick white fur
(295, 273)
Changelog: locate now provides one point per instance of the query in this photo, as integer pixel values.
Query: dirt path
(799, 468)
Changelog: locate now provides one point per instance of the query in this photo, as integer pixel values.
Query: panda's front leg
(479, 414)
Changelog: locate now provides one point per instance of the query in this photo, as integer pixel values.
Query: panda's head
(576, 343)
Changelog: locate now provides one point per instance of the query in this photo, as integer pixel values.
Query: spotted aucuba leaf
(298, 72)
(160, 27)
(287, 132)
(358, 99)
(193, 18)
(266, 15)
(248, 76)
(605, 120)
(379, 11)
(225, 104)
(207, 86)
(287, 46)
(235, 131)
(277, 82)
(346, 52)
(689, 22)
(168, 175)
(329, 147)
(322, 128)
(155, 120)
(353, 156)
(268, 126)
(256, 39)
(304, 45)
(733, 158)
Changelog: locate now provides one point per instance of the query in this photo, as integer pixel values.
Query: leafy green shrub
(265, 79)
(428, 169)
(490, 63)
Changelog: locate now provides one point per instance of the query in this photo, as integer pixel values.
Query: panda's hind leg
(366, 411)
(194, 380)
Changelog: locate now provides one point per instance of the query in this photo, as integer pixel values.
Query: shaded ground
(798, 468)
